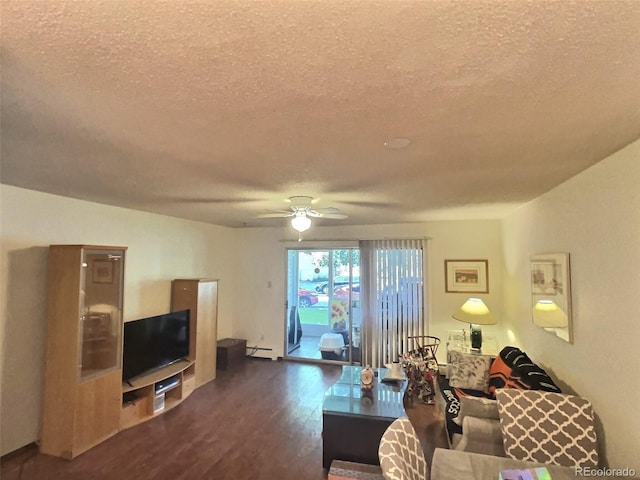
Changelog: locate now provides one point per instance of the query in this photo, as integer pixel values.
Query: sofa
(459, 465)
(508, 408)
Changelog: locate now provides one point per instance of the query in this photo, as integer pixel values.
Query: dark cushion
(514, 369)
(451, 396)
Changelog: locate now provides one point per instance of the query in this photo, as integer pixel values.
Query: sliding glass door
(323, 304)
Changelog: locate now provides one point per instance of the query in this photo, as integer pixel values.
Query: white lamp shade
(474, 311)
(549, 315)
(300, 222)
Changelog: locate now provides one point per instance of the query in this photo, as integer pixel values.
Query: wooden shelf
(158, 375)
(138, 400)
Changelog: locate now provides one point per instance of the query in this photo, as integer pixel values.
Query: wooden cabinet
(200, 296)
(231, 352)
(83, 370)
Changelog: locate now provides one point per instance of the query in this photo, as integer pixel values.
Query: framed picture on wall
(466, 276)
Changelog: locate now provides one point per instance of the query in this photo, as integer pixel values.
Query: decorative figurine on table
(420, 378)
(366, 378)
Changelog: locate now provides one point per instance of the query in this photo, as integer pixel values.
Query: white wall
(595, 217)
(160, 249)
(262, 263)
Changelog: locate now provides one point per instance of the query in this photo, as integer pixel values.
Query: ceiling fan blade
(206, 199)
(327, 210)
(302, 206)
(282, 214)
(366, 204)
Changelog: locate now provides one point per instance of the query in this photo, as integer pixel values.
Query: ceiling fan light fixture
(301, 222)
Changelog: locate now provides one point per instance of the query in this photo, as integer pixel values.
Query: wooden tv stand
(85, 401)
(155, 393)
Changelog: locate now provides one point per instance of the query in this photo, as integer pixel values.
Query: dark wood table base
(351, 439)
(354, 421)
(352, 429)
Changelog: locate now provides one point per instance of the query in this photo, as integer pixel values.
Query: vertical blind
(392, 280)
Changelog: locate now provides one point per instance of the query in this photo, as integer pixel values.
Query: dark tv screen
(154, 342)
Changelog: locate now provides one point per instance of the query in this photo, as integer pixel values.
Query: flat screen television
(154, 342)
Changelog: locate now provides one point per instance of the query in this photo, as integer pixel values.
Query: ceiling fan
(301, 213)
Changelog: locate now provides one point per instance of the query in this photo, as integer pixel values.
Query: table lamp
(475, 313)
(547, 314)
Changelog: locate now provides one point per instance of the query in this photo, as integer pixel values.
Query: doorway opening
(323, 320)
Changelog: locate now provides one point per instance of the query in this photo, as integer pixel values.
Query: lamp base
(476, 338)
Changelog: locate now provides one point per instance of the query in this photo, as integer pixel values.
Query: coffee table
(353, 421)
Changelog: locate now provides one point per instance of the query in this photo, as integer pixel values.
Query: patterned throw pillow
(548, 428)
(469, 371)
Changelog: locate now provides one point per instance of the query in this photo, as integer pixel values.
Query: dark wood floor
(429, 423)
(261, 420)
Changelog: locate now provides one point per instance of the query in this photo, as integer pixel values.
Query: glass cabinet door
(101, 296)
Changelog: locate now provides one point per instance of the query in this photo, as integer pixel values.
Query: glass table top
(346, 397)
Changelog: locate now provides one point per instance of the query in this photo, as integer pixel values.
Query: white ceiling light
(300, 222)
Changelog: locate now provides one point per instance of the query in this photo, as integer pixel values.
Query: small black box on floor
(230, 352)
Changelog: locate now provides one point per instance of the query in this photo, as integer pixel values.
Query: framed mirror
(551, 294)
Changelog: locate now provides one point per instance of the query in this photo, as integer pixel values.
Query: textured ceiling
(220, 110)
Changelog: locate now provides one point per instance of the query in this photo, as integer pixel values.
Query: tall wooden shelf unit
(200, 296)
(83, 372)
